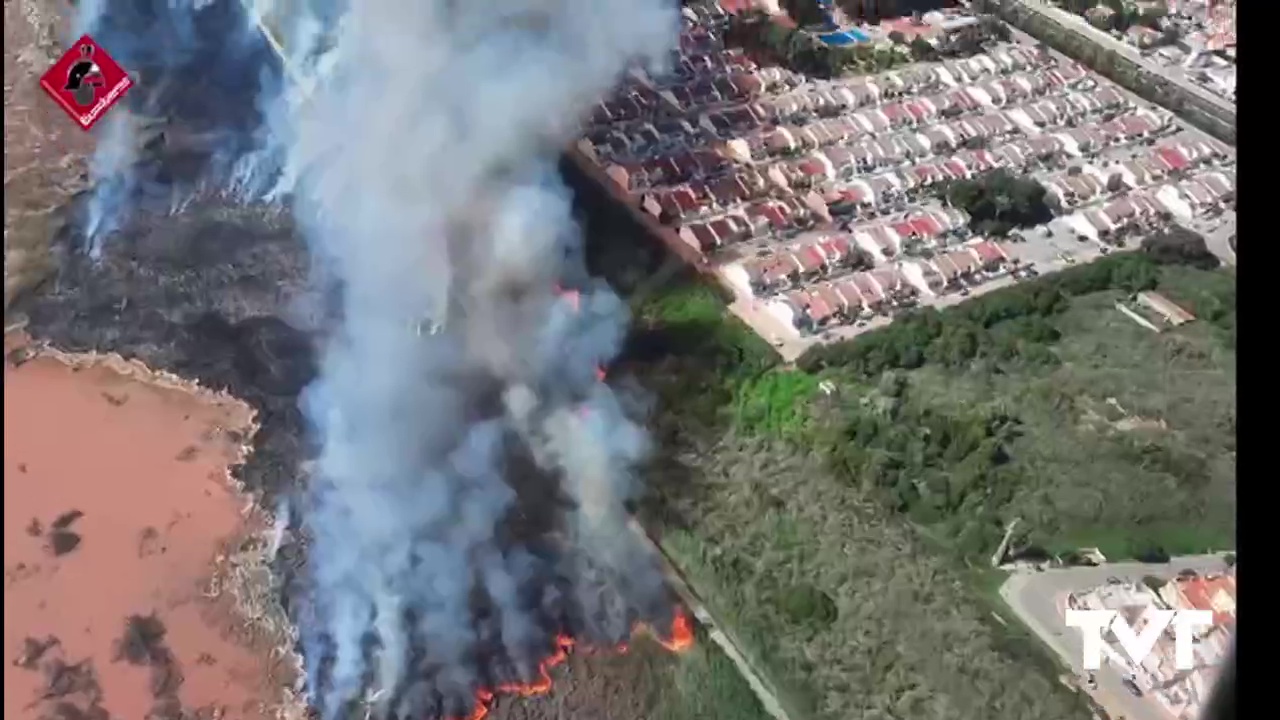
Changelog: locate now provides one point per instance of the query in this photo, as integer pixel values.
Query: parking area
(1052, 246)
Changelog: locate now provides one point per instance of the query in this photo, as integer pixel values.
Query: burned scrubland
(218, 292)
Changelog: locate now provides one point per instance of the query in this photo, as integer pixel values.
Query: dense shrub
(999, 201)
(805, 604)
(1009, 323)
(1179, 246)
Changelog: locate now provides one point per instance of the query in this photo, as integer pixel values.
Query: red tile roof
(705, 236)
(988, 252)
(1202, 593)
(926, 226)
(800, 299)
(819, 308)
(781, 267)
(684, 199)
(867, 288)
(854, 194)
(1174, 157)
(836, 247)
(852, 297)
(777, 214)
(946, 268)
(812, 167)
(891, 279)
(724, 229)
(903, 228)
(810, 258)
(832, 299)
(965, 261)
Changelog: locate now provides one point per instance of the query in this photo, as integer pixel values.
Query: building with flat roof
(1166, 308)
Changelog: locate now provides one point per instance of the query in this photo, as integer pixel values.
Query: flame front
(679, 640)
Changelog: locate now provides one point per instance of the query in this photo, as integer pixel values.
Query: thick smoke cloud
(193, 122)
(423, 163)
(467, 502)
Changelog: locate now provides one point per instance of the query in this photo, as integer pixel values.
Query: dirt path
(118, 512)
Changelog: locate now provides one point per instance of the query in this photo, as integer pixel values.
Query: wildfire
(573, 297)
(681, 634)
(681, 638)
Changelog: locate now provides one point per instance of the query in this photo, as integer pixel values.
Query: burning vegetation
(462, 522)
(679, 640)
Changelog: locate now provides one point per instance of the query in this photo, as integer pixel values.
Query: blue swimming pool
(847, 37)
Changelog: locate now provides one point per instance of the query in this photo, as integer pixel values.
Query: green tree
(1178, 245)
(922, 49)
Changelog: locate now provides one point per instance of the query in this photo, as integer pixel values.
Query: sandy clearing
(126, 479)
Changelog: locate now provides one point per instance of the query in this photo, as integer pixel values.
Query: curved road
(1037, 598)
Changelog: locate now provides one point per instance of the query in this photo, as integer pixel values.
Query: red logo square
(86, 82)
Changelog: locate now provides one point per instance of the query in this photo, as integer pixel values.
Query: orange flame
(540, 686)
(573, 296)
(575, 300)
(681, 639)
(681, 634)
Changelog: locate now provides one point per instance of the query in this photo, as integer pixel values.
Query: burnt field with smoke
(390, 272)
(213, 294)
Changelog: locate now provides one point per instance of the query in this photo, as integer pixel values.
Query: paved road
(1037, 598)
(1080, 25)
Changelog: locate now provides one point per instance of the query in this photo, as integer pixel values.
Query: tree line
(1014, 323)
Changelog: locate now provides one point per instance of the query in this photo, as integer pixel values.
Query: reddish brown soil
(143, 465)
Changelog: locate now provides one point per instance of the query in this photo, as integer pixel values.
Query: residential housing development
(815, 202)
(1182, 692)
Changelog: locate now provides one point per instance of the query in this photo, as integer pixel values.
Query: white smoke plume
(423, 170)
(467, 503)
(203, 76)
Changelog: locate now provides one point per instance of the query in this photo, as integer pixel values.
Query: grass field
(842, 604)
(1127, 445)
(646, 682)
(844, 539)
(845, 601)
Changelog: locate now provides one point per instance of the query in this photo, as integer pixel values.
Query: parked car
(1132, 687)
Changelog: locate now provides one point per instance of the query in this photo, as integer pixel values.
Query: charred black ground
(220, 294)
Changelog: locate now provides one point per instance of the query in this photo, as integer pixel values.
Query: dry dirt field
(44, 152)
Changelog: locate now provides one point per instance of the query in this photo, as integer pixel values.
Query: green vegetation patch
(838, 536)
(999, 201)
(1040, 401)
